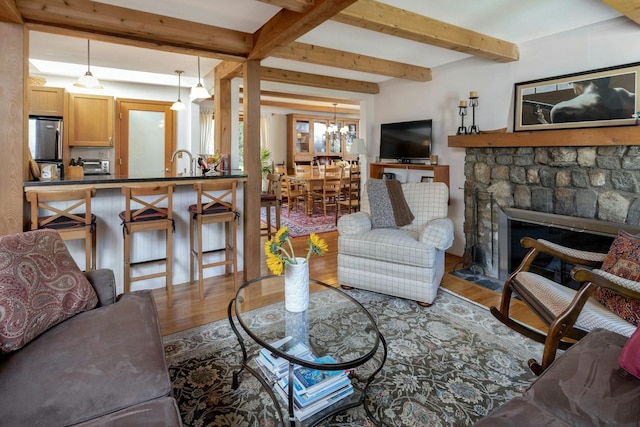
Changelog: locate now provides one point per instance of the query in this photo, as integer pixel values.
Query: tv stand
(440, 172)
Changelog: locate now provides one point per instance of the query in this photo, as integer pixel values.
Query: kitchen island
(109, 202)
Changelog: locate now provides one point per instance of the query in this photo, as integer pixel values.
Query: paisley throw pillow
(40, 286)
(623, 260)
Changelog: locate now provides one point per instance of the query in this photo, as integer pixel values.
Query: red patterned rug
(301, 224)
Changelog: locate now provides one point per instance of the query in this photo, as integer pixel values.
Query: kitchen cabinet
(307, 139)
(46, 101)
(90, 121)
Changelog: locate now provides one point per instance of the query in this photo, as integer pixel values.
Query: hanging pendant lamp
(88, 81)
(198, 91)
(178, 105)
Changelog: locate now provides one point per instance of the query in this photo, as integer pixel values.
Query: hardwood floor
(188, 311)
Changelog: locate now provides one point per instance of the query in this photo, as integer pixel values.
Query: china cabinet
(308, 140)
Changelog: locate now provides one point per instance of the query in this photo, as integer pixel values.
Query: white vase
(296, 286)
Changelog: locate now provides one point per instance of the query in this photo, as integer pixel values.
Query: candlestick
(462, 111)
(473, 103)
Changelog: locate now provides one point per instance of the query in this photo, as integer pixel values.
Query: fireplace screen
(576, 233)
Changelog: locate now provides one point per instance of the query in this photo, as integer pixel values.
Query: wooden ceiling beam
(126, 41)
(380, 17)
(351, 61)
(314, 80)
(307, 107)
(287, 26)
(138, 27)
(629, 8)
(9, 12)
(312, 98)
(228, 70)
(292, 5)
(299, 105)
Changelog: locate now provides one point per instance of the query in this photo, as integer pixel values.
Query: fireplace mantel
(584, 137)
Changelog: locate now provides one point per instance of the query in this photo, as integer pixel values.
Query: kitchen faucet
(188, 153)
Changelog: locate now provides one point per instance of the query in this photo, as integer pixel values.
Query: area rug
(301, 224)
(448, 365)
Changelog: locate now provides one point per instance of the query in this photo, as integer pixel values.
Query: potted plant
(265, 165)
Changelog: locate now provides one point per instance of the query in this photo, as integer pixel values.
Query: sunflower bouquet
(278, 255)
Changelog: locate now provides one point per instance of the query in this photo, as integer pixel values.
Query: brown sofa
(104, 366)
(583, 387)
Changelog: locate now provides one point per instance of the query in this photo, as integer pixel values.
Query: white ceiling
(515, 21)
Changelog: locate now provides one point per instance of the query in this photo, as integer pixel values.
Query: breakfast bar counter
(114, 181)
(109, 202)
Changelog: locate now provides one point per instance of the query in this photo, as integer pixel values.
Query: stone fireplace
(587, 184)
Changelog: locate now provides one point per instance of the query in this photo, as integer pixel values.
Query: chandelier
(333, 131)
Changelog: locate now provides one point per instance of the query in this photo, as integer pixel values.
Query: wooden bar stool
(147, 215)
(68, 222)
(272, 197)
(214, 208)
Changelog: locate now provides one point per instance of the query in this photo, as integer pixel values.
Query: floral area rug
(301, 224)
(448, 365)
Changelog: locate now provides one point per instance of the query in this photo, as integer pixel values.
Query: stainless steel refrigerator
(45, 138)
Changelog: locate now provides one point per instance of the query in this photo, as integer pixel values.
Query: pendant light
(88, 81)
(198, 91)
(178, 105)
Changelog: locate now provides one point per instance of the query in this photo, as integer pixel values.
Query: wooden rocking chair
(569, 314)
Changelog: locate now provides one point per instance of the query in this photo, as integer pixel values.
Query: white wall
(607, 44)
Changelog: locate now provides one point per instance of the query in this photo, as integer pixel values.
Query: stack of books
(313, 389)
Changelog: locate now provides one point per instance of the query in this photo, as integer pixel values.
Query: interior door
(146, 138)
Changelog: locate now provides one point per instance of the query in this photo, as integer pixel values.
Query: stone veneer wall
(589, 182)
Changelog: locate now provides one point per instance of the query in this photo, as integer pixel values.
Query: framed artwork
(603, 97)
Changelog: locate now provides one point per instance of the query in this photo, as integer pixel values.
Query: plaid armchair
(407, 261)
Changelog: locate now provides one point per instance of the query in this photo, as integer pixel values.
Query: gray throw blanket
(389, 209)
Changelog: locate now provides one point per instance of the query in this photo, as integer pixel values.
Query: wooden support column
(13, 113)
(251, 106)
(222, 112)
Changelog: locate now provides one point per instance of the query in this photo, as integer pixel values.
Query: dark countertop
(113, 181)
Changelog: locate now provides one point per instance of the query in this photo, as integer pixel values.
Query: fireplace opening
(572, 232)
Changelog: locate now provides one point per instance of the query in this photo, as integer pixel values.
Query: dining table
(308, 182)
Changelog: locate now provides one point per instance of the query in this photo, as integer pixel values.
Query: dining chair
(294, 193)
(304, 170)
(331, 189)
(272, 198)
(350, 192)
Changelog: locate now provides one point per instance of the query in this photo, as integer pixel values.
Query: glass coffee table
(334, 327)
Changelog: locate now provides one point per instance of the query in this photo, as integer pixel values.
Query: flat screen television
(406, 141)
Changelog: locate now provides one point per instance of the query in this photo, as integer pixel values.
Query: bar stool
(148, 216)
(70, 225)
(214, 208)
(272, 197)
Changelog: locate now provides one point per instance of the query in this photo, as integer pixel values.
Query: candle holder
(473, 103)
(462, 111)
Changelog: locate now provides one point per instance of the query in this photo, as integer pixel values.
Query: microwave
(95, 167)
